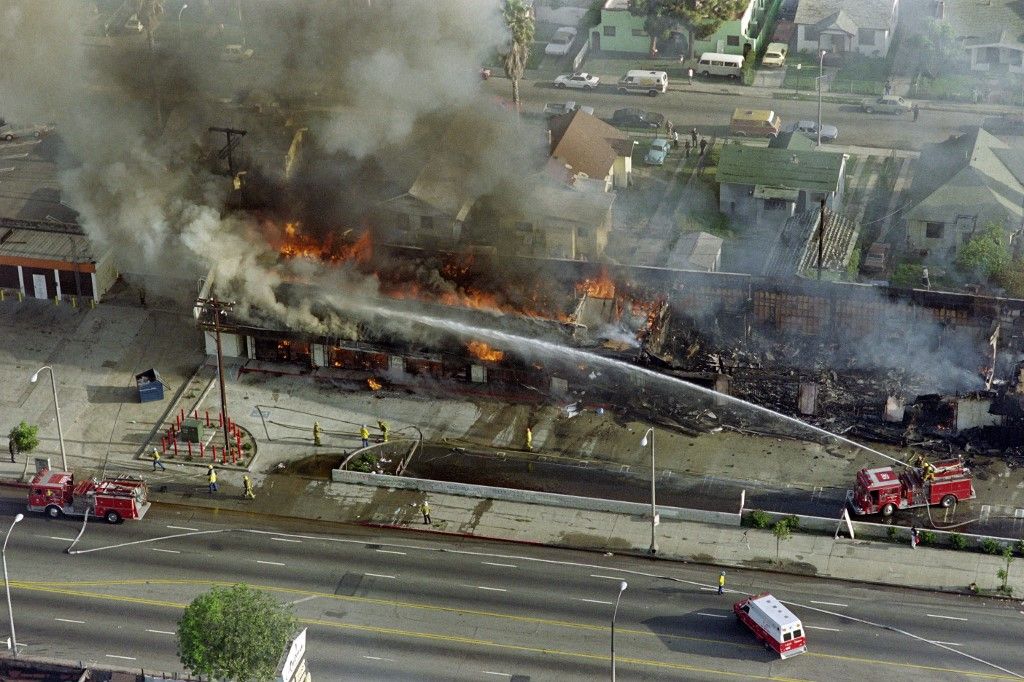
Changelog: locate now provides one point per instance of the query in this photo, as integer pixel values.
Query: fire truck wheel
(112, 517)
(53, 512)
(948, 501)
(888, 509)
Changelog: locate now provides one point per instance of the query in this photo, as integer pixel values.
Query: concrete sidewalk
(805, 554)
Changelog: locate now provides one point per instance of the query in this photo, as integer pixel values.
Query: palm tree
(519, 20)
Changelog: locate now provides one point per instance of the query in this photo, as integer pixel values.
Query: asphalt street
(710, 111)
(400, 605)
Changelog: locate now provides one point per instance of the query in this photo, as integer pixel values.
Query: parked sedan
(887, 104)
(810, 129)
(561, 42)
(583, 81)
(637, 118)
(657, 153)
(559, 108)
(10, 132)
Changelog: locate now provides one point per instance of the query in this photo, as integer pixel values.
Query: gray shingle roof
(986, 23)
(858, 13)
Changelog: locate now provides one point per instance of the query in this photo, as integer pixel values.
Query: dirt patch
(314, 466)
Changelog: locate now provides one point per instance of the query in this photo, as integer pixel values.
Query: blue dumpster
(150, 386)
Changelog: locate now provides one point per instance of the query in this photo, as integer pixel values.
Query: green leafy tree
(519, 21)
(234, 633)
(938, 51)
(699, 18)
(782, 532)
(907, 275)
(25, 437)
(985, 254)
(1004, 573)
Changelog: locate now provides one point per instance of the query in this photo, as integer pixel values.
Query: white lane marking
(302, 599)
(947, 643)
(182, 528)
(161, 632)
(390, 551)
(606, 577)
(491, 589)
(285, 540)
(828, 603)
(123, 658)
(68, 620)
(491, 563)
(932, 615)
(379, 575)
(709, 589)
(168, 551)
(270, 563)
(596, 601)
(378, 658)
(491, 672)
(711, 615)
(54, 537)
(818, 627)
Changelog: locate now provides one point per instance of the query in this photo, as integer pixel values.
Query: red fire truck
(772, 623)
(114, 499)
(882, 490)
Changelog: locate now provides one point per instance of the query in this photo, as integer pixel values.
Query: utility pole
(218, 308)
(821, 239)
(234, 136)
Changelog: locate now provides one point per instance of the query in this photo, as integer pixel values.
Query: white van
(649, 82)
(718, 64)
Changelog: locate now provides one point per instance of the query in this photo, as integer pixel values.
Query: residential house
(766, 185)
(840, 26)
(620, 31)
(585, 147)
(433, 211)
(992, 32)
(960, 186)
(696, 251)
(743, 34)
(556, 223)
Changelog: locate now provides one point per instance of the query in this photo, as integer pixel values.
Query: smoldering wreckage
(866, 363)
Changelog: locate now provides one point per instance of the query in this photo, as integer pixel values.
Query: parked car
(887, 104)
(10, 132)
(582, 81)
(810, 129)
(775, 54)
(236, 53)
(657, 153)
(133, 25)
(559, 108)
(637, 118)
(877, 258)
(561, 43)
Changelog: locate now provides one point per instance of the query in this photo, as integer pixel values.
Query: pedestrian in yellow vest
(247, 482)
(317, 431)
(529, 439)
(157, 462)
(364, 434)
(721, 583)
(425, 510)
(211, 476)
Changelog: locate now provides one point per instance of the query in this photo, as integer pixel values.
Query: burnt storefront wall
(75, 283)
(350, 358)
(9, 277)
(270, 349)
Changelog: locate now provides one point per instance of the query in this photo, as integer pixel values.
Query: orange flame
(601, 286)
(373, 384)
(483, 351)
(291, 242)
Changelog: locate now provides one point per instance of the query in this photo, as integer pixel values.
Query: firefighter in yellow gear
(383, 426)
(929, 471)
(249, 493)
(364, 435)
(529, 439)
(317, 432)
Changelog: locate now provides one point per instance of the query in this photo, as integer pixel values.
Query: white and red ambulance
(772, 623)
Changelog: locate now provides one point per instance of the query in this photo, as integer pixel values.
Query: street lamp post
(796, 85)
(180, 12)
(821, 68)
(56, 407)
(654, 510)
(7, 583)
(615, 612)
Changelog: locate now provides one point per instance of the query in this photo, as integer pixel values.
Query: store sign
(294, 667)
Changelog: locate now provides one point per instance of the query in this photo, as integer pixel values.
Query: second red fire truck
(883, 490)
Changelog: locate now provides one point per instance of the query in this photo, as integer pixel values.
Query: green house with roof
(620, 31)
(772, 184)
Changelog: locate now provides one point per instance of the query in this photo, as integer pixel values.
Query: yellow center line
(63, 587)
